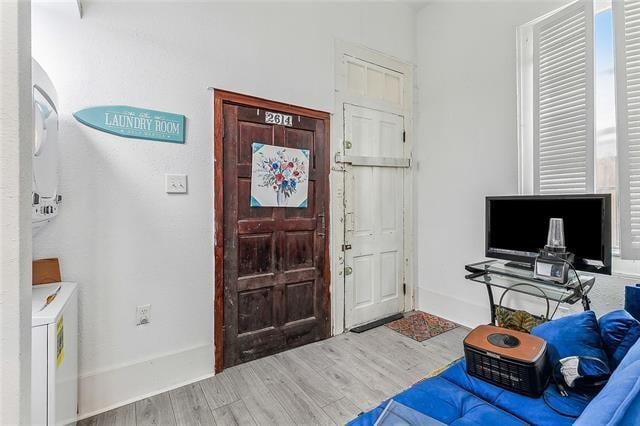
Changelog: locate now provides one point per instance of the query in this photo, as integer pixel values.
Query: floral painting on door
(279, 176)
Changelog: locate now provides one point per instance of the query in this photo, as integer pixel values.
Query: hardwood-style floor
(324, 383)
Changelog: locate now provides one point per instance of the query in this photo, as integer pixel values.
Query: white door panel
(374, 82)
(374, 225)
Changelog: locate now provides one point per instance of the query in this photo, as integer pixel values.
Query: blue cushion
(618, 403)
(446, 402)
(632, 300)
(632, 356)
(573, 335)
(532, 410)
(619, 331)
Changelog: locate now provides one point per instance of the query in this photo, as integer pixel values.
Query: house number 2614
(277, 118)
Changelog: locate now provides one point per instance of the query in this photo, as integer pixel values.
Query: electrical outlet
(175, 184)
(143, 314)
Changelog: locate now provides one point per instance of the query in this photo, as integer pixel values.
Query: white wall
(467, 147)
(15, 212)
(119, 235)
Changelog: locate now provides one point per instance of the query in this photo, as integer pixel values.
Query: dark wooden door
(276, 281)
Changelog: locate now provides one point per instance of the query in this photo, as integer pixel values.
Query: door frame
(221, 97)
(363, 53)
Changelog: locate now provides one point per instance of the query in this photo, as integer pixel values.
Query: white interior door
(374, 154)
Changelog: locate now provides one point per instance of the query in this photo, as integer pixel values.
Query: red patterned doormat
(421, 326)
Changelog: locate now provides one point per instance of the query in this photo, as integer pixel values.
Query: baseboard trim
(107, 389)
(459, 311)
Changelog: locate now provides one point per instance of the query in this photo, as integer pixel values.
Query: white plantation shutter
(626, 15)
(563, 112)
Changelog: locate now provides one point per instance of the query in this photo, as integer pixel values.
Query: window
(606, 169)
(626, 26)
(557, 102)
(572, 99)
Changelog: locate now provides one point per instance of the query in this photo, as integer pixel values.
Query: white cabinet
(54, 354)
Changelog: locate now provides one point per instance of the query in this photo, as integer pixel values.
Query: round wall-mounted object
(45, 145)
(46, 200)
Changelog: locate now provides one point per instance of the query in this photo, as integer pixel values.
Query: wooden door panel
(255, 310)
(299, 299)
(255, 254)
(258, 344)
(275, 284)
(298, 333)
(248, 134)
(302, 139)
(299, 252)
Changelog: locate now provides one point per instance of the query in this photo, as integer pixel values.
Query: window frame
(525, 128)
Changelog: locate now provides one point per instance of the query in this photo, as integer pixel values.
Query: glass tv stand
(501, 274)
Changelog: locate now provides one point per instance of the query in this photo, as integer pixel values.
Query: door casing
(221, 97)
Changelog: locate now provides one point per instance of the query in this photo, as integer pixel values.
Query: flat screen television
(517, 227)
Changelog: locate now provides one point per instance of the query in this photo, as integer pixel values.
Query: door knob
(348, 270)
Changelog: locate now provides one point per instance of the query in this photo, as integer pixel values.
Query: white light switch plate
(175, 184)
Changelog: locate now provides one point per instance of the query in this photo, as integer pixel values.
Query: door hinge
(404, 288)
(346, 247)
(404, 136)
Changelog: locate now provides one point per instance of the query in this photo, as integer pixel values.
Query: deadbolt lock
(348, 144)
(348, 270)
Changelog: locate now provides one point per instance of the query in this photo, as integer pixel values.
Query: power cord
(554, 311)
(575, 271)
(585, 298)
(545, 398)
(564, 393)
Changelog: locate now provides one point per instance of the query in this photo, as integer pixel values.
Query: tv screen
(517, 227)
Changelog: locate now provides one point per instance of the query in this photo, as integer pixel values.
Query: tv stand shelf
(500, 274)
(520, 265)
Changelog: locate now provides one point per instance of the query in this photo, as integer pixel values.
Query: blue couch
(453, 397)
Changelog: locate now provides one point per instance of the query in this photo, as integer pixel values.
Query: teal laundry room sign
(131, 122)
